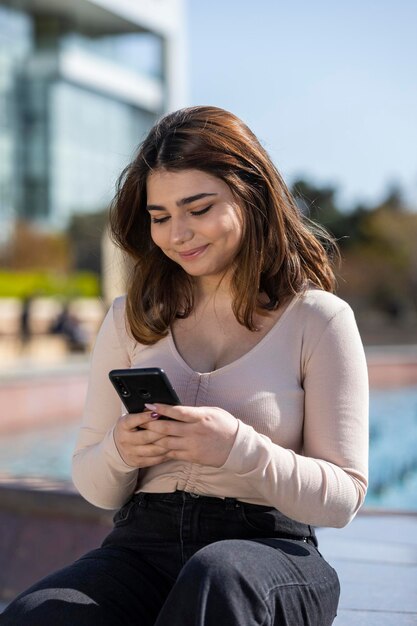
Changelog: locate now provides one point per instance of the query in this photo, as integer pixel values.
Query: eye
(159, 220)
(202, 211)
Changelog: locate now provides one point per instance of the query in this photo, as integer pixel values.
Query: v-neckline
(247, 354)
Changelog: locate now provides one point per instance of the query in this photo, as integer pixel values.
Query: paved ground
(376, 558)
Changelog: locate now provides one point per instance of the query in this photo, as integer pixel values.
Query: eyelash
(161, 220)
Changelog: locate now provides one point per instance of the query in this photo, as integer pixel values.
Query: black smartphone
(143, 385)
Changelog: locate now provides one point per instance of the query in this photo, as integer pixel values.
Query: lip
(192, 254)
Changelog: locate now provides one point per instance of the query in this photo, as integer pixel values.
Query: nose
(180, 231)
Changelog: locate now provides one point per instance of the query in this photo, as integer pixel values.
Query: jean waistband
(282, 524)
(184, 496)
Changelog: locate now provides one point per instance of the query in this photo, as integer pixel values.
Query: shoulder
(321, 305)
(327, 327)
(116, 317)
(315, 310)
(118, 308)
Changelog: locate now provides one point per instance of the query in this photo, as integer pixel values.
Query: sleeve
(98, 471)
(326, 485)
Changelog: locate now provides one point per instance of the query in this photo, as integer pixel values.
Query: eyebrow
(182, 202)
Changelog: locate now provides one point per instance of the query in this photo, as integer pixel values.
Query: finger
(143, 437)
(131, 421)
(177, 412)
(172, 443)
(128, 441)
(138, 437)
(161, 427)
(151, 461)
(149, 450)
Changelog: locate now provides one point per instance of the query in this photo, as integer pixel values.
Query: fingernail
(151, 407)
(154, 415)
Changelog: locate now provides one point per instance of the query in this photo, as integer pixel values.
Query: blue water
(393, 450)
(41, 452)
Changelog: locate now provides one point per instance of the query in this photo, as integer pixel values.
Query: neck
(207, 287)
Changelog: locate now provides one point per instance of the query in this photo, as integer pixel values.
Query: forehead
(176, 185)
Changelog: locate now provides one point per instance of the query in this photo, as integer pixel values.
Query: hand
(138, 448)
(203, 435)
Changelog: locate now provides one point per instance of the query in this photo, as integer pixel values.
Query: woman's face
(195, 220)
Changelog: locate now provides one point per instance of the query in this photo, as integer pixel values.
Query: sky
(330, 88)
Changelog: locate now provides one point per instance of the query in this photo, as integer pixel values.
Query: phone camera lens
(123, 389)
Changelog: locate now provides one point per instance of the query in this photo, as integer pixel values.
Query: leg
(247, 583)
(106, 587)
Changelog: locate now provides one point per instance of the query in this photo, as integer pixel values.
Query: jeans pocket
(259, 518)
(269, 522)
(123, 515)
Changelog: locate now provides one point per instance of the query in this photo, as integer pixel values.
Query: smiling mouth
(191, 254)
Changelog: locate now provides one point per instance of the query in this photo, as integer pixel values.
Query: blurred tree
(319, 205)
(32, 248)
(386, 258)
(394, 201)
(379, 249)
(85, 233)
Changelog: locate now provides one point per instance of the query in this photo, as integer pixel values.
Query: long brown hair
(281, 251)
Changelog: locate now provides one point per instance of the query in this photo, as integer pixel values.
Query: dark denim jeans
(182, 560)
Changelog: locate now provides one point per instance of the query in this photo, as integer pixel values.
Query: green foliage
(319, 204)
(316, 203)
(19, 284)
(378, 245)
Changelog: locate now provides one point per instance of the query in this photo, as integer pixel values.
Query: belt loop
(143, 500)
(230, 503)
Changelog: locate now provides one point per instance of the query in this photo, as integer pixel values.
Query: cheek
(157, 236)
(235, 231)
(228, 227)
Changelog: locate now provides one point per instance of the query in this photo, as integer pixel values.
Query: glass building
(80, 84)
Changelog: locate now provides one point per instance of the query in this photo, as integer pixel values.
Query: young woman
(231, 294)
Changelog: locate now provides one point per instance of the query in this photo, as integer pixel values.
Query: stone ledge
(39, 496)
(44, 525)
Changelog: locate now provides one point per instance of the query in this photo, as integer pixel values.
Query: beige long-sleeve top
(301, 400)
